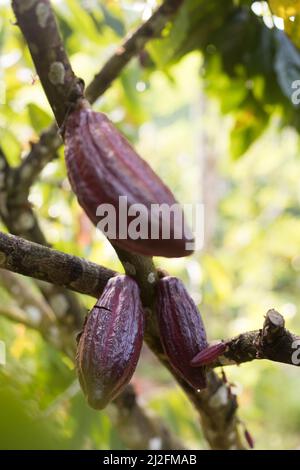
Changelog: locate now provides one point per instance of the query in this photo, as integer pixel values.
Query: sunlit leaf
(285, 8)
(249, 125)
(38, 117)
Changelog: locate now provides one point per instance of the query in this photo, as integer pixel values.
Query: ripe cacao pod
(102, 166)
(110, 344)
(181, 329)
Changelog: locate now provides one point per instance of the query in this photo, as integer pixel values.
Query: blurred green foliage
(218, 85)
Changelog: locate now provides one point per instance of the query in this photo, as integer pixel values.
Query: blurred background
(209, 107)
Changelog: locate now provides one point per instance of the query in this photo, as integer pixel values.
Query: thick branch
(38, 25)
(43, 263)
(273, 342)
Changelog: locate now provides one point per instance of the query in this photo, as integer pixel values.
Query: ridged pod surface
(209, 354)
(110, 344)
(181, 329)
(102, 166)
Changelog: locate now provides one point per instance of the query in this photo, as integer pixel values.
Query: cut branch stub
(119, 191)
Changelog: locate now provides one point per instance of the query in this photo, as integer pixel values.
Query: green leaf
(10, 145)
(249, 124)
(82, 21)
(113, 21)
(19, 429)
(38, 117)
(163, 50)
(218, 276)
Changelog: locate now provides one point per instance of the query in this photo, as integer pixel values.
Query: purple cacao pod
(209, 354)
(102, 167)
(249, 439)
(110, 344)
(181, 329)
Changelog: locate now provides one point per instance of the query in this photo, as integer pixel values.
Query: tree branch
(131, 46)
(41, 153)
(37, 22)
(28, 299)
(16, 314)
(273, 342)
(43, 263)
(36, 313)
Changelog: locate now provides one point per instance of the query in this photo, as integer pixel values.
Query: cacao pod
(181, 329)
(209, 354)
(102, 166)
(249, 439)
(110, 344)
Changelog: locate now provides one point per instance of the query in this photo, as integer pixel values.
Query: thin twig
(16, 314)
(131, 46)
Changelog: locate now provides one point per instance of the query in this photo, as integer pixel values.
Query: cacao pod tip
(98, 401)
(208, 355)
